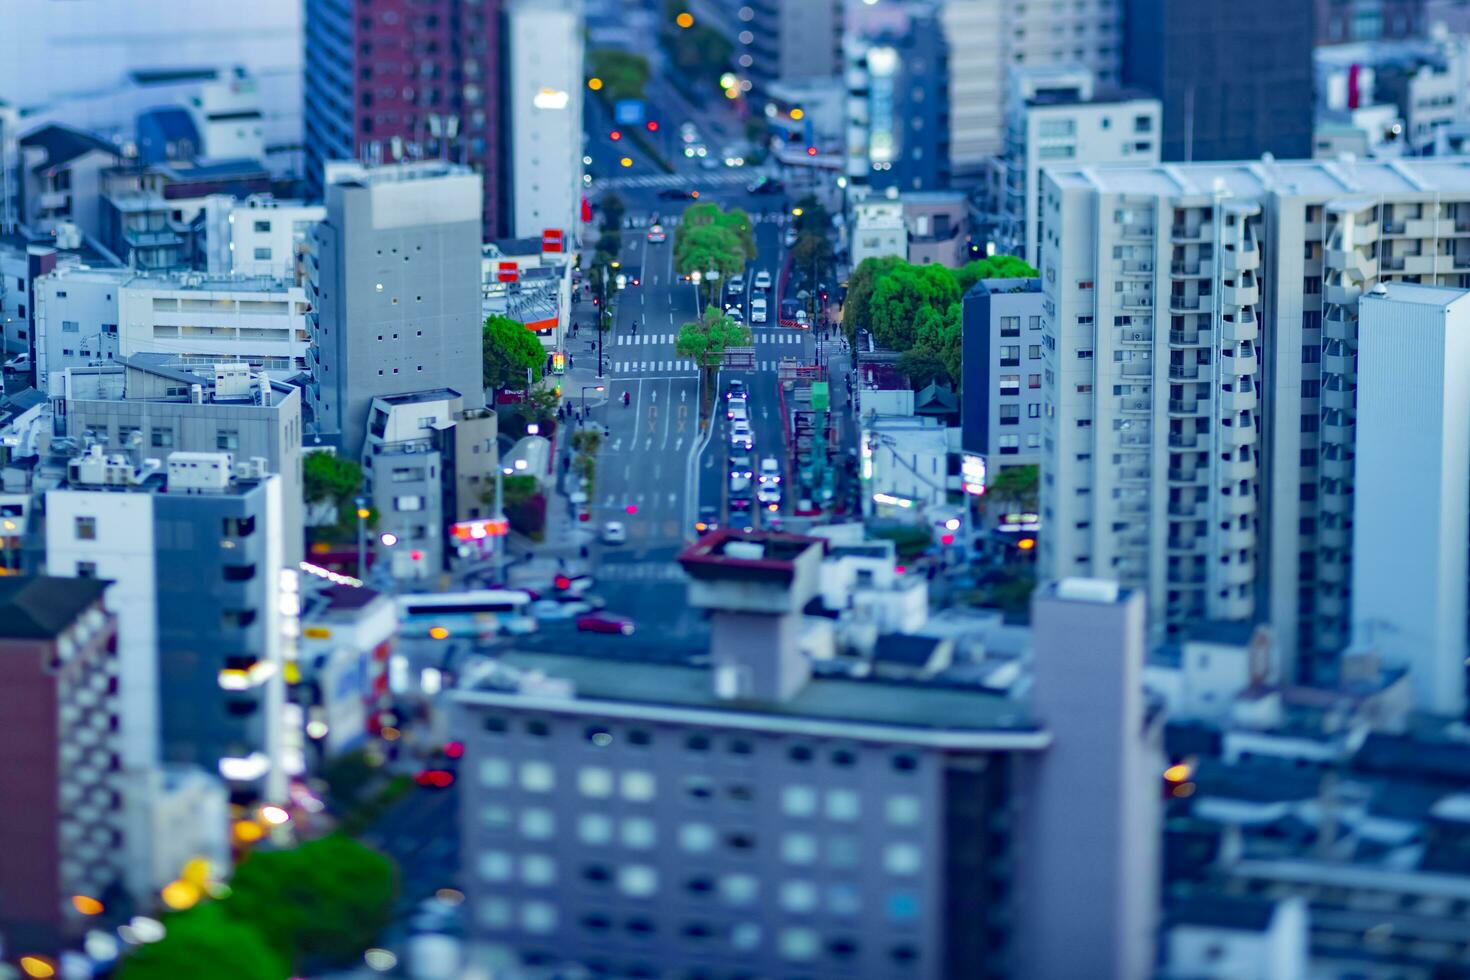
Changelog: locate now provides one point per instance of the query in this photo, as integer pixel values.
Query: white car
(757, 310)
(20, 362)
(770, 470)
(656, 234)
(738, 416)
(762, 280)
(768, 493)
(733, 312)
(613, 532)
(740, 435)
(740, 473)
(789, 239)
(736, 403)
(735, 285)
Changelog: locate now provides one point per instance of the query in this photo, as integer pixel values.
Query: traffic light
(558, 362)
(615, 135)
(811, 151)
(652, 126)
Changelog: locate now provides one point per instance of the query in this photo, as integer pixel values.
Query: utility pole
(601, 311)
(499, 519)
(361, 503)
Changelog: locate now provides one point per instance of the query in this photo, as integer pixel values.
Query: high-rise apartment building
(543, 97)
(59, 765)
(1235, 76)
(395, 292)
(1201, 344)
(406, 79)
(1000, 415)
(988, 37)
(788, 40)
(1413, 454)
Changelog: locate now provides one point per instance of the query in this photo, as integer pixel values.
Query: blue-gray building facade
(1002, 372)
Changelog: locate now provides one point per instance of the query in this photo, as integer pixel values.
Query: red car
(434, 778)
(601, 622)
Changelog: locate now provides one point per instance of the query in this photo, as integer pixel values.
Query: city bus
(476, 614)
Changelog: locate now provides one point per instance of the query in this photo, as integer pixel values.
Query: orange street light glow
(685, 20)
(86, 905)
(37, 966)
(595, 84)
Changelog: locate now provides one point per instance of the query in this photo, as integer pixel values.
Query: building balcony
(1338, 430)
(1235, 436)
(1136, 231)
(1237, 573)
(1237, 538)
(1330, 606)
(1235, 468)
(1334, 536)
(1236, 504)
(1187, 406)
(1187, 338)
(1424, 265)
(1133, 542)
(1352, 259)
(1233, 607)
(1135, 335)
(1342, 399)
(1186, 304)
(1240, 258)
(1241, 295)
(1239, 400)
(1336, 503)
(1184, 440)
(1133, 439)
(1138, 369)
(1133, 505)
(1135, 301)
(1184, 545)
(1428, 227)
(1133, 474)
(1332, 572)
(1339, 364)
(1183, 372)
(1336, 464)
(1184, 270)
(1135, 404)
(1190, 233)
(1184, 508)
(1239, 328)
(1337, 326)
(1186, 477)
(1137, 268)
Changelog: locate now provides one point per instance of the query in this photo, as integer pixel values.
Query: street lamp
(500, 475)
(585, 389)
(361, 503)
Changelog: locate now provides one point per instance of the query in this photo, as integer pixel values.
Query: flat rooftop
(194, 282)
(1255, 179)
(914, 707)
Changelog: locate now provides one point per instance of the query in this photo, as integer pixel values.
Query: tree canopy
(905, 288)
(509, 349)
(906, 299)
(205, 934)
(624, 74)
(994, 267)
(710, 245)
(704, 340)
(329, 478)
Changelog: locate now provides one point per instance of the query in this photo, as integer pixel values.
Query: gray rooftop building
(768, 816)
(394, 282)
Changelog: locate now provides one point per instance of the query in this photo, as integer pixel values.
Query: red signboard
(553, 240)
(508, 272)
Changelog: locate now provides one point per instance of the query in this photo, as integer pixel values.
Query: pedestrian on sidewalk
(571, 361)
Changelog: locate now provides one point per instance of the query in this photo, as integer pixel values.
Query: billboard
(628, 112)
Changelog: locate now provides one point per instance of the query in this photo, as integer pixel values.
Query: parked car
(605, 622)
(613, 532)
(19, 363)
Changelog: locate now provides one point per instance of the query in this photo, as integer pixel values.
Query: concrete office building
(142, 407)
(1058, 117)
(1001, 364)
(1234, 76)
(986, 38)
(898, 105)
(93, 316)
(395, 292)
(1196, 410)
(1413, 457)
(406, 80)
(200, 668)
(544, 103)
(267, 237)
(789, 40)
(59, 762)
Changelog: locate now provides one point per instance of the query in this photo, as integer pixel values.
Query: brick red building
(391, 79)
(61, 834)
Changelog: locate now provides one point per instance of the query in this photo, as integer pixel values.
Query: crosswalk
(678, 364)
(642, 572)
(630, 340)
(672, 221)
(709, 178)
(780, 337)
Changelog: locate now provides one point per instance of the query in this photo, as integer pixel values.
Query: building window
(537, 823)
(1010, 356)
(496, 866)
(1033, 410)
(538, 917)
(86, 528)
(408, 503)
(1010, 326)
(1033, 381)
(739, 889)
(1010, 415)
(162, 438)
(798, 896)
(494, 772)
(902, 810)
(538, 870)
(798, 848)
(70, 326)
(639, 833)
(1009, 445)
(1010, 384)
(637, 880)
(696, 838)
(537, 777)
(595, 782)
(902, 906)
(263, 227)
(638, 786)
(1035, 322)
(798, 801)
(594, 828)
(843, 805)
(799, 944)
(901, 859)
(227, 439)
(86, 569)
(1033, 351)
(263, 254)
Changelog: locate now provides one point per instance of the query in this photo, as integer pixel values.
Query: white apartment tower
(545, 102)
(1413, 456)
(1178, 430)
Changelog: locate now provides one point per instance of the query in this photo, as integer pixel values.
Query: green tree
(624, 74)
(812, 255)
(610, 242)
(205, 934)
(509, 350)
(857, 307)
(704, 342)
(1014, 488)
(323, 902)
(994, 267)
(906, 299)
(736, 221)
(921, 366)
(937, 335)
(706, 247)
(329, 478)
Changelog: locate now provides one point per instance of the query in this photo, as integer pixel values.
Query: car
(605, 622)
(789, 239)
(735, 389)
(740, 503)
(762, 280)
(676, 194)
(709, 520)
(552, 610)
(738, 415)
(708, 163)
(735, 285)
(692, 150)
(656, 234)
(571, 585)
(770, 470)
(736, 402)
(766, 185)
(740, 474)
(434, 778)
(19, 363)
(733, 312)
(740, 435)
(757, 310)
(613, 532)
(688, 132)
(768, 494)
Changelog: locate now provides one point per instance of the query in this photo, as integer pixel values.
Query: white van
(757, 310)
